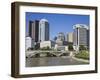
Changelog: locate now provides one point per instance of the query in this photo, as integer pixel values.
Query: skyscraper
(43, 30)
(70, 37)
(34, 30)
(60, 41)
(30, 29)
(81, 35)
(61, 36)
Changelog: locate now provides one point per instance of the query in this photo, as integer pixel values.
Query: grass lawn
(83, 54)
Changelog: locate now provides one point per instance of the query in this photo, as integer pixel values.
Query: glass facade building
(43, 30)
(61, 36)
(34, 30)
(81, 35)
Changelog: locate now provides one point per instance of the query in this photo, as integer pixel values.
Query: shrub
(83, 54)
(46, 48)
(82, 47)
(70, 47)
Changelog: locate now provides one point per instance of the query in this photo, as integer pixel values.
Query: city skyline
(47, 37)
(58, 22)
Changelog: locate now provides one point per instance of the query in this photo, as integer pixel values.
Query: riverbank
(79, 59)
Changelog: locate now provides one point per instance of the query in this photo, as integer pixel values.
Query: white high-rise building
(43, 30)
(28, 43)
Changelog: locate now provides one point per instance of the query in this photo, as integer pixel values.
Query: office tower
(81, 35)
(30, 29)
(88, 35)
(60, 41)
(70, 37)
(34, 30)
(61, 36)
(43, 30)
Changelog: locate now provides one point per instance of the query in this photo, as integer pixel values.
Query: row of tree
(81, 47)
(70, 48)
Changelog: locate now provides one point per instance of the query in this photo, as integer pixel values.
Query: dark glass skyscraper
(34, 30)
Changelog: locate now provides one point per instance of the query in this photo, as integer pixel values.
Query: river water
(52, 61)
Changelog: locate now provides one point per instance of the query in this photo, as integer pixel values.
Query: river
(52, 61)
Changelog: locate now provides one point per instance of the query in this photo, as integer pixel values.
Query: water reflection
(52, 61)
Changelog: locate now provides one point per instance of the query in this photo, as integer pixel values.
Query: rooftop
(80, 26)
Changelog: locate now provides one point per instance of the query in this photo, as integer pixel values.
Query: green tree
(46, 48)
(30, 48)
(82, 47)
(70, 47)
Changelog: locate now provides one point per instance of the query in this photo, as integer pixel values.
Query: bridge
(42, 53)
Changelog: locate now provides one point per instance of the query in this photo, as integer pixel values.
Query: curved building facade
(43, 30)
(81, 35)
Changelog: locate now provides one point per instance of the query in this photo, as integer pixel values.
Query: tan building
(70, 37)
(49, 44)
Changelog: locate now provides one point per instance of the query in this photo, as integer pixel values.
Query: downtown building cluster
(39, 36)
(38, 31)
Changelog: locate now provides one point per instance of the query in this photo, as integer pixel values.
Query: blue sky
(58, 22)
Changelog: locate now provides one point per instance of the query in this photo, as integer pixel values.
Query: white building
(65, 48)
(49, 44)
(43, 30)
(28, 43)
